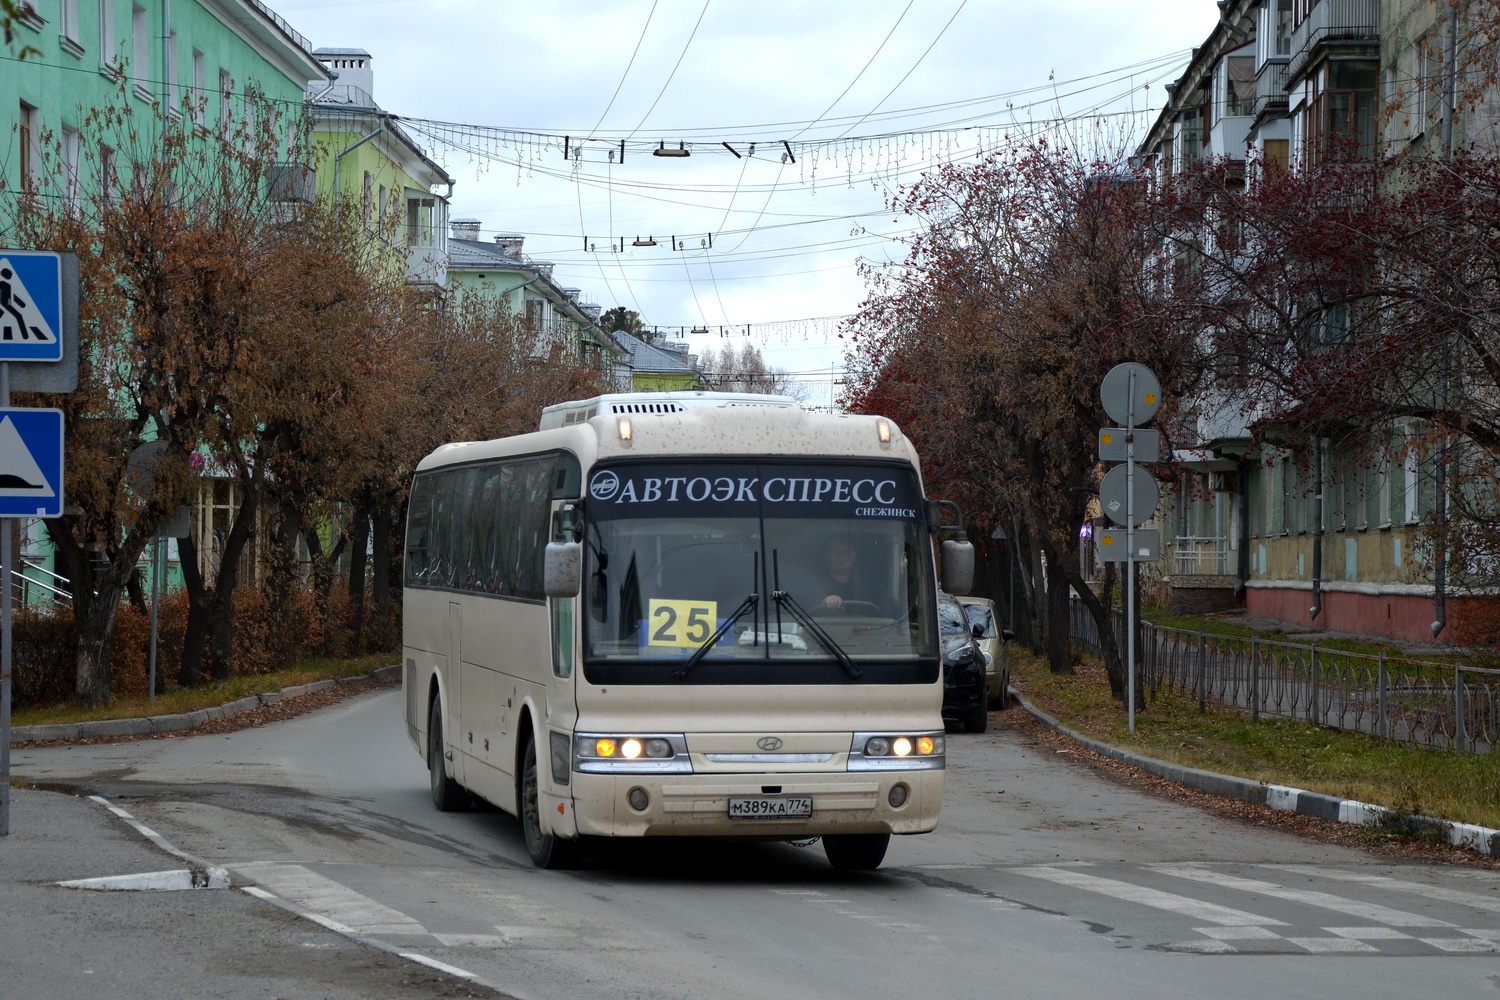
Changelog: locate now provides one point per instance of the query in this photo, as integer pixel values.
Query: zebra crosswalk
(1292, 909)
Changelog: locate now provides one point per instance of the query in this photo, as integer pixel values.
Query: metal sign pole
(1130, 556)
(5, 626)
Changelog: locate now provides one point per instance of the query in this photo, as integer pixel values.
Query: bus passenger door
(454, 722)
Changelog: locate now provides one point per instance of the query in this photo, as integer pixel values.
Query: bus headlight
(897, 752)
(631, 753)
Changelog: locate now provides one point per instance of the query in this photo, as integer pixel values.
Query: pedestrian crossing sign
(31, 463)
(31, 320)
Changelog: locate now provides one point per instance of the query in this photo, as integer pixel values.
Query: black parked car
(965, 689)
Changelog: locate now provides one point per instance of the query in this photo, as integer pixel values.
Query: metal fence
(1410, 701)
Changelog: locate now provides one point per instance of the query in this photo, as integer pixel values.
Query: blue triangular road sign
(31, 463)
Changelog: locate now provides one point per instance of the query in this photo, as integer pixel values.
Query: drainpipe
(333, 81)
(338, 160)
(1440, 470)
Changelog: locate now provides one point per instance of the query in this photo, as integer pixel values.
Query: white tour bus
(631, 623)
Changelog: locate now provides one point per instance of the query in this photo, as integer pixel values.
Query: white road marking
(1333, 946)
(1464, 946)
(325, 897)
(433, 963)
(1307, 897)
(1186, 905)
(1369, 933)
(1238, 933)
(473, 940)
(1442, 893)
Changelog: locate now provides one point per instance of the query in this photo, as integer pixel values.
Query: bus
(626, 624)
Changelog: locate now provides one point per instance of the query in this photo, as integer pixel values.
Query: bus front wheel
(856, 852)
(546, 850)
(447, 794)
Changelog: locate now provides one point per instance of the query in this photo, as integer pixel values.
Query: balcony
(1270, 89)
(292, 182)
(1348, 22)
(1227, 137)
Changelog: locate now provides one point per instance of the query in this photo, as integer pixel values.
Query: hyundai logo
(769, 743)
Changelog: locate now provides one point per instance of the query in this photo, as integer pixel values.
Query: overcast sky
(787, 237)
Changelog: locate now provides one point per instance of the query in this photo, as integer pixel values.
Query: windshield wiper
(784, 599)
(746, 606)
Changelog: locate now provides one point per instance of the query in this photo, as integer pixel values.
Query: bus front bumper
(689, 805)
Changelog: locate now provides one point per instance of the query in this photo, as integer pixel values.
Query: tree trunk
(96, 630)
(380, 595)
(1059, 643)
(359, 540)
(190, 672)
(221, 614)
(322, 582)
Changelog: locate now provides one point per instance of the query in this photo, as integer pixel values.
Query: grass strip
(1408, 779)
(190, 699)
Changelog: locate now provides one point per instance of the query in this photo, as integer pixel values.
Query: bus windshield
(769, 572)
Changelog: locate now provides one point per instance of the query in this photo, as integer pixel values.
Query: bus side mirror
(1007, 635)
(562, 569)
(958, 567)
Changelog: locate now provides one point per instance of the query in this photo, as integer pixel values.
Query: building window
(109, 177)
(200, 87)
(250, 112)
(30, 147)
(1288, 478)
(67, 20)
(71, 145)
(140, 41)
(226, 103)
(1283, 27)
(1409, 469)
(1419, 83)
(1384, 472)
(1340, 117)
(174, 97)
(107, 54)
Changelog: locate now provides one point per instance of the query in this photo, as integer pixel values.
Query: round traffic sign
(1116, 394)
(1112, 496)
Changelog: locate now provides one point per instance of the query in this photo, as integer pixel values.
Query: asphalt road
(1043, 879)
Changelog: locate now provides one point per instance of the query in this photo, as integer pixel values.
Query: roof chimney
(510, 245)
(355, 78)
(465, 229)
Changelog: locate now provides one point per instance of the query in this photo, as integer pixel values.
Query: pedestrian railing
(1424, 702)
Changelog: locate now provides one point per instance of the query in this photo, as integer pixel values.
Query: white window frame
(1411, 493)
(109, 174)
(1384, 472)
(200, 87)
(140, 45)
(109, 57)
(67, 20)
(226, 103)
(72, 153)
(174, 90)
(28, 123)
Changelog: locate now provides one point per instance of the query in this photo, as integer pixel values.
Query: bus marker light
(631, 748)
(624, 428)
(560, 808)
(902, 746)
(604, 748)
(878, 747)
(924, 745)
(883, 429)
(658, 748)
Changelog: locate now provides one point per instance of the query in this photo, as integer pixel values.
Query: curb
(1482, 839)
(183, 721)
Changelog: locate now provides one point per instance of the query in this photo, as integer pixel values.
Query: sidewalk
(1480, 839)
